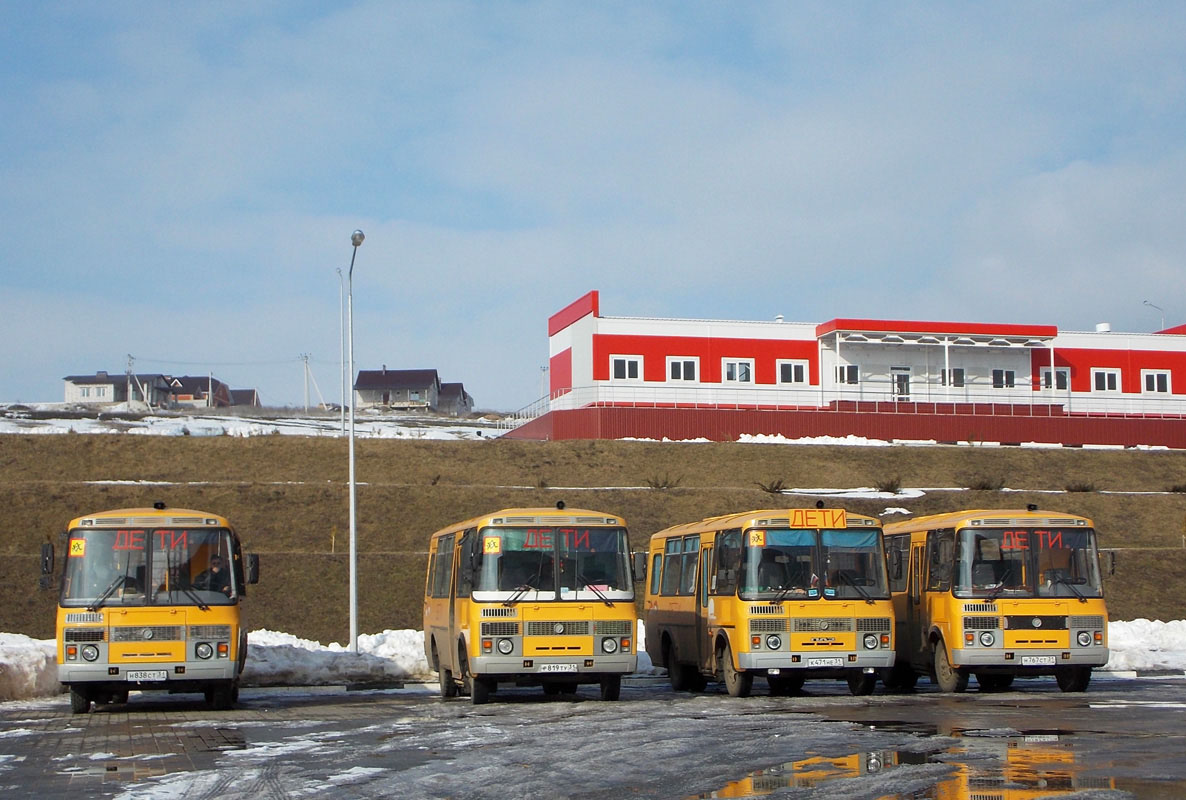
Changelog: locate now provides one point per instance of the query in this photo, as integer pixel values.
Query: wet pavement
(1122, 738)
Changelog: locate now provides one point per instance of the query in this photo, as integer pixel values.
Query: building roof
(105, 378)
(453, 391)
(396, 378)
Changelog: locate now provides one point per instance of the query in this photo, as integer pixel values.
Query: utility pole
(305, 358)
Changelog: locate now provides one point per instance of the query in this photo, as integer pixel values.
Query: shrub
(889, 485)
(1080, 486)
(665, 482)
(774, 487)
(987, 484)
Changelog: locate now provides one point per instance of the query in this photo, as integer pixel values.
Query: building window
(1155, 381)
(1062, 378)
(1105, 380)
(625, 368)
(737, 371)
(952, 377)
(682, 369)
(86, 391)
(792, 372)
(848, 374)
(1003, 379)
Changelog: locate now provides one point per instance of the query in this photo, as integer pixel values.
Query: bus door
(704, 648)
(465, 554)
(916, 610)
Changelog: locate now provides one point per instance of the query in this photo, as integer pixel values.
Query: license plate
(1037, 661)
(557, 667)
(825, 662)
(147, 675)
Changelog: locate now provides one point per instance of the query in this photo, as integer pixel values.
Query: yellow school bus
(150, 598)
(530, 596)
(785, 594)
(996, 594)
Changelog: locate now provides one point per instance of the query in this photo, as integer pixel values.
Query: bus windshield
(1027, 562)
(835, 564)
(548, 563)
(150, 566)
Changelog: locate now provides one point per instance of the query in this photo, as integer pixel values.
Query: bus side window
(940, 559)
(471, 555)
(898, 550)
(728, 563)
(691, 558)
(444, 567)
(656, 572)
(672, 561)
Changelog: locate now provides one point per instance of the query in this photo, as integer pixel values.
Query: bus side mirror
(639, 565)
(1110, 569)
(47, 559)
(895, 569)
(253, 568)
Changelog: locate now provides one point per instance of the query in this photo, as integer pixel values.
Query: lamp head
(356, 238)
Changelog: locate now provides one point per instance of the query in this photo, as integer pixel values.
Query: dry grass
(287, 496)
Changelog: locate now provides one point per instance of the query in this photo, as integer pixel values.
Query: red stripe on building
(577, 309)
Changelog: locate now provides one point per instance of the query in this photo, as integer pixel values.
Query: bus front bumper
(165, 676)
(554, 667)
(1023, 661)
(844, 659)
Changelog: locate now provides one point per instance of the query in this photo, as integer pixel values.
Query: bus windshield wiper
(520, 590)
(784, 593)
(115, 584)
(1067, 582)
(192, 595)
(600, 595)
(844, 576)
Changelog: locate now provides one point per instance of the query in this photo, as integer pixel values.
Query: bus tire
(221, 697)
(1073, 679)
(611, 687)
(479, 693)
(993, 682)
(444, 675)
(860, 682)
(948, 677)
(785, 685)
(80, 701)
(677, 673)
(901, 677)
(737, 684)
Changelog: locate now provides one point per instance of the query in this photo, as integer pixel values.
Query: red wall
(710, 351)
(1130, 362)
(560, 372)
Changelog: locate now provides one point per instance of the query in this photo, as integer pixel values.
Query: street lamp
(355, 239)
(342, 348)
(1159, 308)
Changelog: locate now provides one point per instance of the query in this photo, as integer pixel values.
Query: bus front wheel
(785, 685)
(80, 701)
(1073, 679)
(948, 677)
(738, 684)
(611, 687)
(901, 677)
(861, 682)
(222, 697)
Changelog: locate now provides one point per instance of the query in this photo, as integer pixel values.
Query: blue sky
(179, 181)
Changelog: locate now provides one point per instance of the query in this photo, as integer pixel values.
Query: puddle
(987, 766)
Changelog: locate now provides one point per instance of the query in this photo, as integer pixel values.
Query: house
(405, 389)
(245, 397)
(199, 391)
(455, 400)
(105, 388)
(613, 377)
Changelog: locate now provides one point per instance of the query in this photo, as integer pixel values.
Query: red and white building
(614, 377)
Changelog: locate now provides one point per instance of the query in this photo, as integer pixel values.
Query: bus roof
(544, 515)
(120, 517)
(991, 517)
(769, 517)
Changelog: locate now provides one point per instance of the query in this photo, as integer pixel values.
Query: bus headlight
(773, 642)
(203, 650)
(1084, 638)
(871, 641)
(987, 639)
(505, 646)
(90, 652)
(609, 646)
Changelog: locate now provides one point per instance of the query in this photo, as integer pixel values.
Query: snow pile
(27, 667)
(778, 438)
(1147, 644)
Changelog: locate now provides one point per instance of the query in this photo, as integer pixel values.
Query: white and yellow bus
(150, 598)
(785, 594)
(997, 594)
(530, 596)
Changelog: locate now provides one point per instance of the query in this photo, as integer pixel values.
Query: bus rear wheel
(683, 677)
(1073, 679)
(948, 677)
(738, 684)
(80, 701)
(611, 687)
(901, 677)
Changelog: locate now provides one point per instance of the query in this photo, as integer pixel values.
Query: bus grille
(765, 609)
(83, 634)
(145, 633)
(613, 627)
(1026, 622)
(84, 616)
(500, 612)
(209, 631)
(979, 608)
(874, 625)
(813, 624)
(767, 625)
(1087, 622)
(500, 628)
(982, 623)
(571, 628)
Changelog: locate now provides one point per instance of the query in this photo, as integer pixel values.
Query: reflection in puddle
(986, 768)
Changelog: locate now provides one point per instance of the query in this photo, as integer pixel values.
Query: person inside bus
(215, 579)
(771, 574)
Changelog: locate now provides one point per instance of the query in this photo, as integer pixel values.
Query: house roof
(396, 379)
(105, 378)
(453, 391)
(245, 397)
(194, 384)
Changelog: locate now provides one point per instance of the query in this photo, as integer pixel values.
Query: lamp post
(1159, 308)
(342, 349)
(355, 239)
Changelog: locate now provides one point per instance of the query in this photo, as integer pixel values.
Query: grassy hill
(287, 496)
